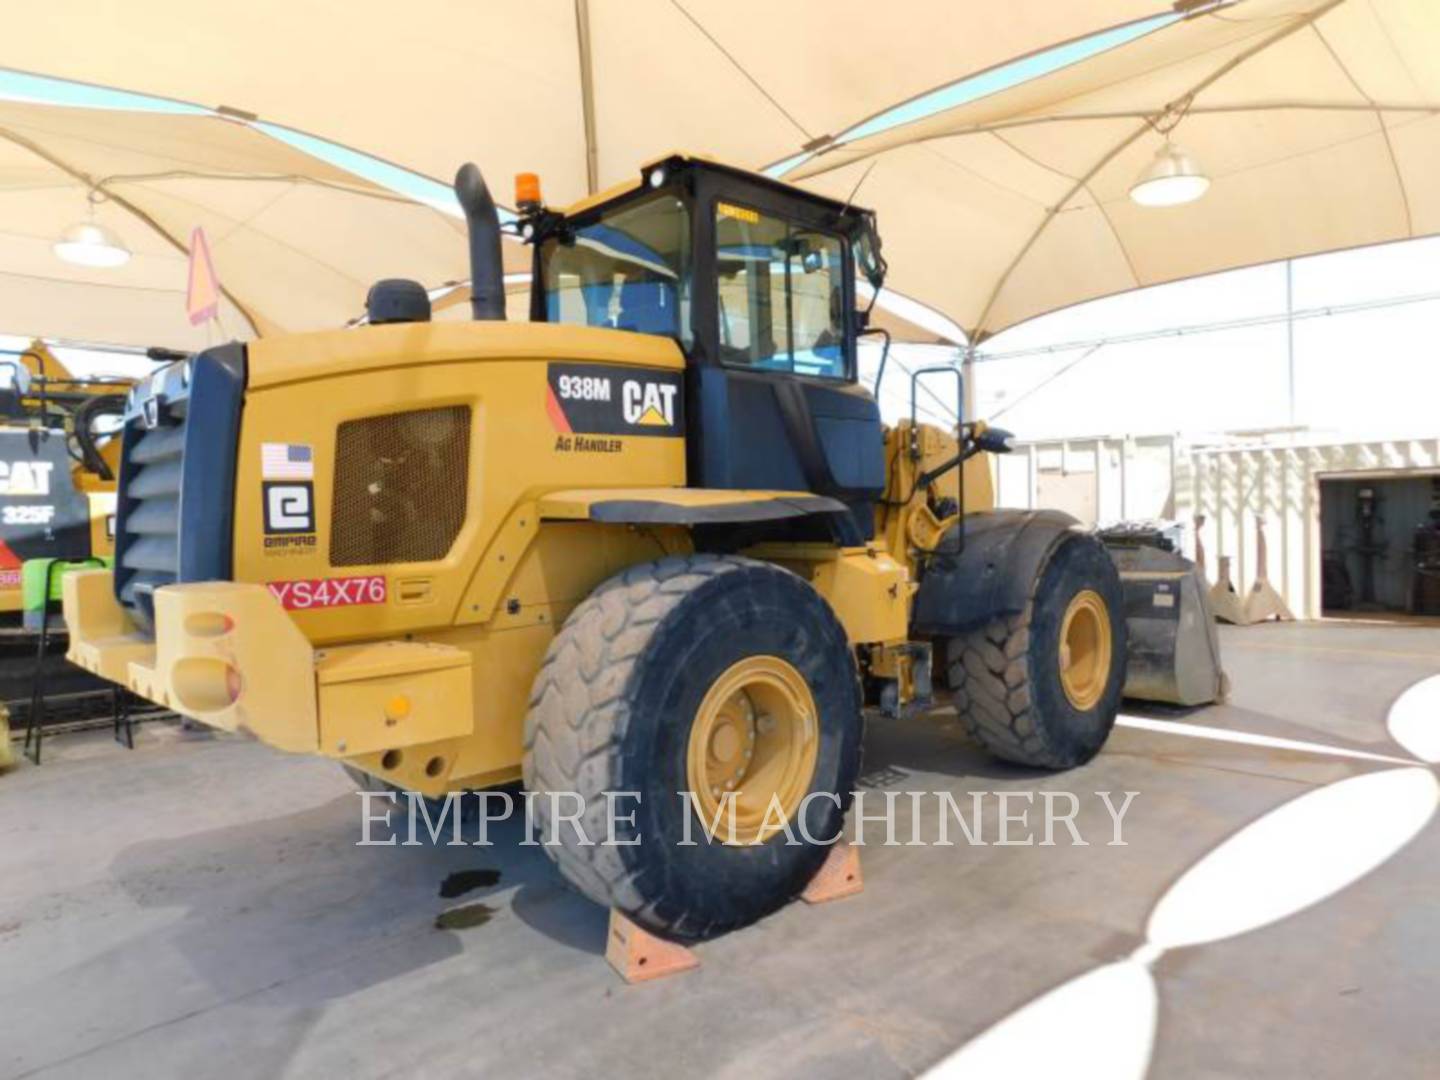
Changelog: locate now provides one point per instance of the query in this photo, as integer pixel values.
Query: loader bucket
(1174, 653)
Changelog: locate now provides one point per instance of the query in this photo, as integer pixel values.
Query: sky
(1364, 374)
(1358, 374)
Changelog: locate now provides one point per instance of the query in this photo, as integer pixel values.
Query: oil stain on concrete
(464, 917)
(463, 881)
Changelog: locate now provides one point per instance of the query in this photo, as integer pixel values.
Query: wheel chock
(640, 956)
(838, 877)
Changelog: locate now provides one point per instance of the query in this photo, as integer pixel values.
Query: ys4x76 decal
(311, 593)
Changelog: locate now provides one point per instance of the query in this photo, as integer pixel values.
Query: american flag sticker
(286, 461)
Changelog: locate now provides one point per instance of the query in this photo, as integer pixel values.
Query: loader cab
(755, 280)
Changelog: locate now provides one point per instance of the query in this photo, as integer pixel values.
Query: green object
(32, 578)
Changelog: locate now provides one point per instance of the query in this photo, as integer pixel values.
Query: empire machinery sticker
(310, 593)
(287, 495)
(584, 401)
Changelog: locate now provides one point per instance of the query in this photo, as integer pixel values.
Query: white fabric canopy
(1318, 122)
(433, 83)
(1316, 119)
(296, 242)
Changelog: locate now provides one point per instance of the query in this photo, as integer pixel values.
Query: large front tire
(1042, 688)
(695, 672)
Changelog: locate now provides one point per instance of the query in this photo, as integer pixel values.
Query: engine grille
(149, 541)
(177, 477)
(401, 483)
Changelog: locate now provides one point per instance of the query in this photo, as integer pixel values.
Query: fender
(699, 507)
(993, 575)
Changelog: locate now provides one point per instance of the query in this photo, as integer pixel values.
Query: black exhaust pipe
(487, 273)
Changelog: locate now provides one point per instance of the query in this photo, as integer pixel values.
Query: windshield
(628, 271)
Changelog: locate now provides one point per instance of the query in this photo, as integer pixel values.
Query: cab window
(630, 270)
(781, 294)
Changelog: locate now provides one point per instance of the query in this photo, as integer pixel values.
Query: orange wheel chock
(640, 956)
(838, 877)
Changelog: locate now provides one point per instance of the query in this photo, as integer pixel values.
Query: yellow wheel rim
(1085, 649)
(755, 737)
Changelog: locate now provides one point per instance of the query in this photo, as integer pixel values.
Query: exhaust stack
(487, 275)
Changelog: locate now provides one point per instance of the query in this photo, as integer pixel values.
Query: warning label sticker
(309, 593)
(600, 399)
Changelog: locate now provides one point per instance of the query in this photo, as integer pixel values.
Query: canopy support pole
(1290, 340)
(967, 379)
(587, 95)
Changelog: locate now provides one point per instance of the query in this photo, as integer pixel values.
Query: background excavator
(59, 464)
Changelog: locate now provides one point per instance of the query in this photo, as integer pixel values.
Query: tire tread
(989, 672)
(578, 712)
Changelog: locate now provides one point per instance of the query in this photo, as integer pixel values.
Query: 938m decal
(600, 399)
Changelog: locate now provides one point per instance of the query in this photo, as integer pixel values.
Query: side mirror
(994, 440)
(867, 254)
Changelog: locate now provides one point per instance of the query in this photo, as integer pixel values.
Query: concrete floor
(199, 905)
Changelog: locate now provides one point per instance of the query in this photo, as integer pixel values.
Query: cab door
(774, 388)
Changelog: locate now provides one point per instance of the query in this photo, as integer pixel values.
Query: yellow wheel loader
(652, 551)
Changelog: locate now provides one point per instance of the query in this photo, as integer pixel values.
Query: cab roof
(680, 160)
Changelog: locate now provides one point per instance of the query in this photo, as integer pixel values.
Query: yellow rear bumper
(229, 655)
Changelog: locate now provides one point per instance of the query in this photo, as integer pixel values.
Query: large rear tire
(1042, 688)
(704, 673)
